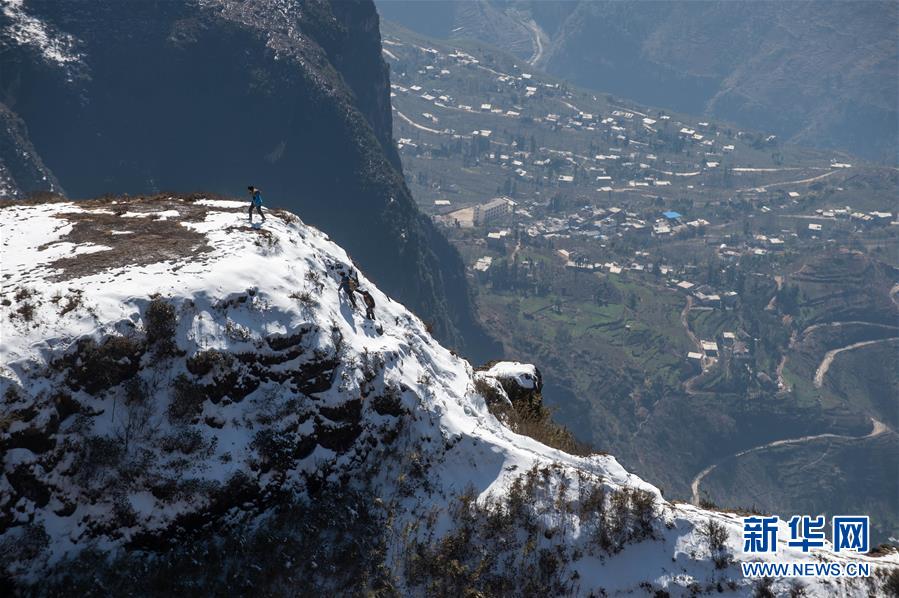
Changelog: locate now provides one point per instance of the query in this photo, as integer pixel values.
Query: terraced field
(845, 286)
(613, 345)
(841, 360)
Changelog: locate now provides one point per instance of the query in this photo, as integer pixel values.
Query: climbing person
(348, 285)
(255, 202)
(369, 304)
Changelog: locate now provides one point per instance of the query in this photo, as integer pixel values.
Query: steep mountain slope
(215, 95)
(819, 73)
(211, 414)
(20, 166)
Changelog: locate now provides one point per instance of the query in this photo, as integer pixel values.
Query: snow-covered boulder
(192, 402)
(524, 375)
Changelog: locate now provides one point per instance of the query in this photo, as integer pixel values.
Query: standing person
(348, 286)
(255, 202)
(369, 304)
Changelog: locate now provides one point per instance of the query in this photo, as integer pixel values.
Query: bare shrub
(491, 394)
(371, 365)
(643, 506)
(315, 279)
(160, 323)
(267, 240)
(204, 362)
(532, 418)
(715, 534)
(390, 402)
(186, 441)
(97, 454)
(23, 293)
(288, 217)
(762, 588)
(73, 301)
(97, 366)
(305, 299)
(277, 450)
(187, 399)
(26, 311)
(891, 584)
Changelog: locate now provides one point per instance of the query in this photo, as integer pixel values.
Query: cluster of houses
(730, 345)
(587, 221)
(626, 145)
(483, 214)
(873, 218)
(628, 132)
(500, 215)
(705, 295)
(759, 245)
(842, 220)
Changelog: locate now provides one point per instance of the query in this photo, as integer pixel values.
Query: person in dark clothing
(348, 286)
(255, 202)
(369, 304)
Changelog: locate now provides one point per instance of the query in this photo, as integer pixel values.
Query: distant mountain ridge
(816, 73)
(291, 96)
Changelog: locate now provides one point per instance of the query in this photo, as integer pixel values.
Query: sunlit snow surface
(267, 265)
(524, 374)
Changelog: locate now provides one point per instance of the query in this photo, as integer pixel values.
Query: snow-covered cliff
(196, 401)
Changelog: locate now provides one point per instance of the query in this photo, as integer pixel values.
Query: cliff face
(290, 96)
(20, 165)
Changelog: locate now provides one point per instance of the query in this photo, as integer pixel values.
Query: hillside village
(604, 187)
(657, 251)
(438, 94)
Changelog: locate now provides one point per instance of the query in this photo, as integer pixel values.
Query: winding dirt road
(537, 37)
(830, 355)
(846, 323)
(684, 315)
(416, 125)
(877, 428)
(799, 182)
(685, 322)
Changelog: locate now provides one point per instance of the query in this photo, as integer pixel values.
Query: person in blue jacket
(255, 202)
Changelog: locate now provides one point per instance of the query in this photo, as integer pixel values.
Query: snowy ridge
(269, 380)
